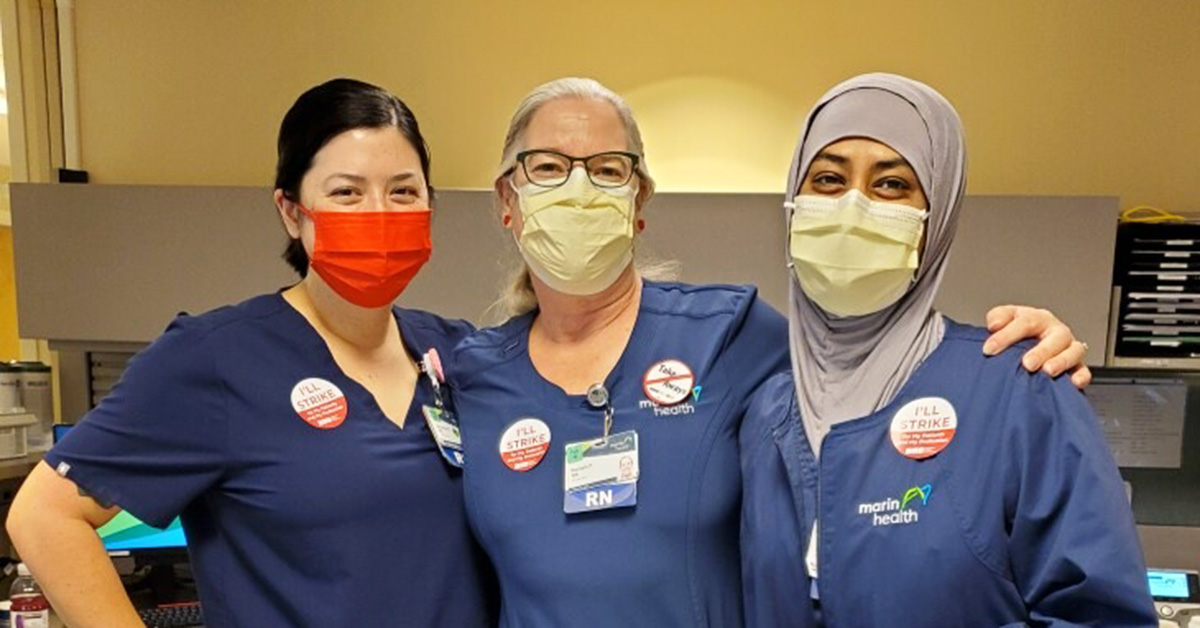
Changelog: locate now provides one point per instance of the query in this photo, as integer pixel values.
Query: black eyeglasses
(550, 169)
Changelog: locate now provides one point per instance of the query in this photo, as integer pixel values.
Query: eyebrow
(403, 176)
(888, 164)
(837, 159)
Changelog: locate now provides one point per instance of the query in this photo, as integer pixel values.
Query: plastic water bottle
(29, 606)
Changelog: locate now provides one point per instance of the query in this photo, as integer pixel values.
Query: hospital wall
(1072, 97)
(9, 347)
(1066, 97)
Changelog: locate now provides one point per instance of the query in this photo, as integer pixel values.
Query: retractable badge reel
(442, 423)
(601, 473)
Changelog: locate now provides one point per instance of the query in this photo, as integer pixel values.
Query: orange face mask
(369, 257)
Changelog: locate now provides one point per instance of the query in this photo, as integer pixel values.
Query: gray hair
(571, 87)
(517, 296)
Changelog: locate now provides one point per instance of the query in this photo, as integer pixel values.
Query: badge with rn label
(442, 425)
(601, 474)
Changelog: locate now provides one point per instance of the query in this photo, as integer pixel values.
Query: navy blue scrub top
(1021, 520)
(288, 524)
(670, 560)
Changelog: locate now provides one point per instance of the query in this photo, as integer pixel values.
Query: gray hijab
(846, 368)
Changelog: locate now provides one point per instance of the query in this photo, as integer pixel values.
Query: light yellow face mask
(854, 256)
(577, 238)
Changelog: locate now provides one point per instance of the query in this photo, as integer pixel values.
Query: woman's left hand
(1057, 350)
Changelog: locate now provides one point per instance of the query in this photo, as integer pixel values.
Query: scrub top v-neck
(303, 503)
(672, 558)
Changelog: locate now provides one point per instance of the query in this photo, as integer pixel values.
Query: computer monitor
(125, 534)
(1176, 594)
(1151, 420)
(1174, 585)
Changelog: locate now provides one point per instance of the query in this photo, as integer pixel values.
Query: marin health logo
(892, 511)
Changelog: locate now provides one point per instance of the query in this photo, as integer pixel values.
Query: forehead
(861, 151)
(366, 148)
(576, 126)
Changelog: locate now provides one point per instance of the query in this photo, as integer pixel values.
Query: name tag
(601, 474)
(445, 432)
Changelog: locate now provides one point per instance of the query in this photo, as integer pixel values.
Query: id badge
(601, 474)
(445, 431)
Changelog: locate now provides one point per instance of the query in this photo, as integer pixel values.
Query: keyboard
(173, 615)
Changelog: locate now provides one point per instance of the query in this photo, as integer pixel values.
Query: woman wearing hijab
(897, 474)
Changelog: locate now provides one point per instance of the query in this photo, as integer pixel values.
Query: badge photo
(923, 427)
(319, 402)
(668, 382)
(524, 444)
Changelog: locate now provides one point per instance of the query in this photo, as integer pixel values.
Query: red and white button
(923, 427)
(524, 444)
(668, 382)
(319, 402)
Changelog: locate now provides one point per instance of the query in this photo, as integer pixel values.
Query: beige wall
(10, 345)
(10, 348)
(1064, 97)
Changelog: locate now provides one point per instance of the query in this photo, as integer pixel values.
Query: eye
(827, 178)
(827, 182)
(893, 187)
(548, 168)
(344, 191)
(894, 183)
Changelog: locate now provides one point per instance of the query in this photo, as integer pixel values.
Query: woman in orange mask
(287, 430)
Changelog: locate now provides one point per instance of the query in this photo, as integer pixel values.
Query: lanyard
(443, 425)
(431, 366)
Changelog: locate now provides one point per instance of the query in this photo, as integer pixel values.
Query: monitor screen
(1168, 584)
(126, 533)
(1152, 423)
(61, 429)
(1173, 585)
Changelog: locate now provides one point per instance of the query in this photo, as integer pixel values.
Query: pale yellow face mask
(854, 256)
(577, 238)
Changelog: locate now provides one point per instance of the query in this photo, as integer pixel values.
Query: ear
(288, 214)
(508, 200)
(643, 196)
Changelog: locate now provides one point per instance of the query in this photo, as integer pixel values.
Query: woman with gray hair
(599, 423)
(987, 495)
